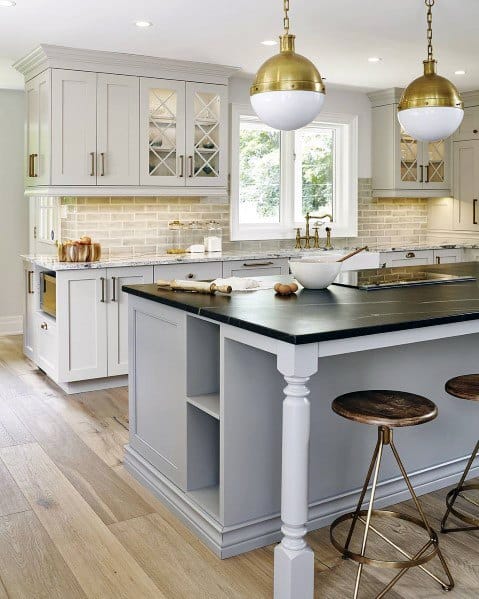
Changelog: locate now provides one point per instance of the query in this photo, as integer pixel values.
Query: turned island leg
(293, 558)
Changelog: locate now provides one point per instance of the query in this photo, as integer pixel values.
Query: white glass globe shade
(287, 110)
(430, 123)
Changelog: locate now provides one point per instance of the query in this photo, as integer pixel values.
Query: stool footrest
(459, 514)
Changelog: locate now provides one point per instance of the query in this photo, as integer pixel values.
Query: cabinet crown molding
(385, 97)
(60, 57)
(470, 99)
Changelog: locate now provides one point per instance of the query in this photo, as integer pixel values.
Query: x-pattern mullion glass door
(410, 154)
(162, 134)
(435, 160)
(206, 135)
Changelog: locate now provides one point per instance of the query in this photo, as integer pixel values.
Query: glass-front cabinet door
(410, 167)
(436, 164)
(206, 135)
(162, 132)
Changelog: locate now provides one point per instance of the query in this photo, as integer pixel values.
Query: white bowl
(316, 273)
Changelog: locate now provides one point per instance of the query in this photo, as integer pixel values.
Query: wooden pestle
(351, 254)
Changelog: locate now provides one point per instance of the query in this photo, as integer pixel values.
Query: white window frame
(346, 180)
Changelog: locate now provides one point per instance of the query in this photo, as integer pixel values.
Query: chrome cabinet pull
(102, 300)
(102, 156)
(421, 180)
(410, 255)
(190, 161)
(113, 297)
(92, 171)
(248, 264)
(30, 281)
(44, 326)
(182, 166)
(474, 220)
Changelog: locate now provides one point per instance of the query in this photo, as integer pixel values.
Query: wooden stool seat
(385, 408)
(464, 387)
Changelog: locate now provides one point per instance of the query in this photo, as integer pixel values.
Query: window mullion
(287, 180)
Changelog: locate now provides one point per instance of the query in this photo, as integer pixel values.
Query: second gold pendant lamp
(288, 91)
(430, 108)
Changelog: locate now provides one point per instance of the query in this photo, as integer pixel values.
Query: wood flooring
(75, 525)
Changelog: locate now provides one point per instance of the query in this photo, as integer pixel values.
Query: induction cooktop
(384, 278)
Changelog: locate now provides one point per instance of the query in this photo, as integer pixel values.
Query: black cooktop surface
(384, 278)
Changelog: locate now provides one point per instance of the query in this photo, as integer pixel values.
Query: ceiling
(338, 36)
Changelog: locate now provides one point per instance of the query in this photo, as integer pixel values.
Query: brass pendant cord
(286, 17)
(429, 4)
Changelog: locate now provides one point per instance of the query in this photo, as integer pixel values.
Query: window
(277, 177)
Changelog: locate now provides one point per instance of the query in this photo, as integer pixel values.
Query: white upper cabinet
(184, 133)
(206, 134)
(117, 130)
(38, 130)
(73, 127)
(466, 185)
(402, 166)
(136, 125)
(162, 132)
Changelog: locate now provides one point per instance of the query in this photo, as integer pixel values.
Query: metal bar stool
(387, 410)
(464, 387)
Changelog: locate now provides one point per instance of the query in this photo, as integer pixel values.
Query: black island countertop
(334, 313)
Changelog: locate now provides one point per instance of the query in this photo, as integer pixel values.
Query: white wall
(13, 208)
(337, 101)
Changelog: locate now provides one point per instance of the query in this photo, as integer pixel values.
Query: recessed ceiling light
(269, 43)
(143, 23)
(460, 72)
(374, 59)
(6, 3)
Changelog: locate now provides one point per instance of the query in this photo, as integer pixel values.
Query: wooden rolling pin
(196, 286)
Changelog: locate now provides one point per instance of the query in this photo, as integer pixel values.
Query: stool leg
(457, 490)
(362, 496)
(379, 452)
(446, 586)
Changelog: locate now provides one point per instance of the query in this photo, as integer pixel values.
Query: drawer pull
(474, 131)
(248, 264)
(410, 255)
(190, 275)
(30, 281)
(44, 326)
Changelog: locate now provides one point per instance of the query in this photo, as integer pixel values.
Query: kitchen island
(207, 432)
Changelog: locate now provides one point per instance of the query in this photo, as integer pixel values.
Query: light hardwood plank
(99, 562)
(12, 431)
(111, 498)
(30, 564)
(12, 499)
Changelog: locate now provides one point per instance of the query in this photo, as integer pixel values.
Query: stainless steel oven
(48, 292)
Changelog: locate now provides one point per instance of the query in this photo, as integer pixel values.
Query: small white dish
(316, 273)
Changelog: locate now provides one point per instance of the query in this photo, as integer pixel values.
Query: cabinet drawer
(256, 268)
(448, 256)
(411, 257)
(46, 344)
(196, 271)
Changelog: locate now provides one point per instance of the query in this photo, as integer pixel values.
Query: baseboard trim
(93, 384)
(228, 541)
(11, 325)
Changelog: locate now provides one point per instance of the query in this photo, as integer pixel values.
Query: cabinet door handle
(410, 255)
(438, 259)
(34, 174)
(474, 220)
(30, 170)
(92, 171)
(427, 173)
(30, 281)
(113, 296)
(102, 300)
(190, 162)
(247, 264)
(102, 156)
(44, 326)
(182, 166)
(421, 180)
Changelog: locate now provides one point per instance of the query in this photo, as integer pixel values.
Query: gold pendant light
(288, 91)
(430, 108)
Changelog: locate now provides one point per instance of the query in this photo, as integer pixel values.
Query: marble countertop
(51, 263)
(334, 313)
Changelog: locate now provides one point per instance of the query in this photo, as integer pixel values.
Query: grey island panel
(336, 312)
